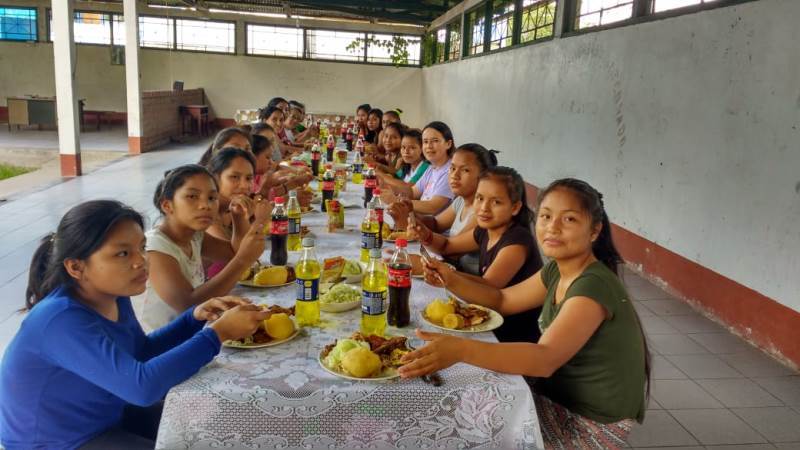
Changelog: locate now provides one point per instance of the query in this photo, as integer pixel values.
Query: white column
(66, 103)
(133, 76)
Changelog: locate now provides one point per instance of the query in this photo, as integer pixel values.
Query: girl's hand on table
(211, 310)
(239, 322)
(441, 352)
(436, 273)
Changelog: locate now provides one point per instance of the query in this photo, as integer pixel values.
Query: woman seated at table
(507, 252)
(592, 359)
(362, 113)
(374, 127)
(281, 179)
(80, 372)
(389, 161)
(431, 194)
(413, 164)
(228, 137)
(188, 200)
(470, 162)
(280, 103)
(391, 116)
(300, 132)
(275, 117)
(293, 118)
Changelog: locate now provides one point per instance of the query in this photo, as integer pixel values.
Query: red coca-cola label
(400, 278)
(371, 183)
(379, 214)
(315, 156)
(328, 185)
(279, 227)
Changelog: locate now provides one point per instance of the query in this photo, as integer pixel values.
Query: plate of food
(276, 329)
(453, 315)
(339, 298)
(395, 235)
(263, 276)
(364, 358)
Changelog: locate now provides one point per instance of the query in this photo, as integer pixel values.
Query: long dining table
(280, 397)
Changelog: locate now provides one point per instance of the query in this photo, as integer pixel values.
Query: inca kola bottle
(293, 212)
(306, 308)
(374, 286)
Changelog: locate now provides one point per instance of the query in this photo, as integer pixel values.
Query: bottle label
(371, 183)
(373, 303)
(307, 290)
(400, 278)
(369, 240)
(279, 227)
(315, 156)
(356, 168)
(379, 214)
(328, 185)
(294, 225)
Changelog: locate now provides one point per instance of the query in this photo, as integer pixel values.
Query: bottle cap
(308, 242)
(401, 243)
(375, 253)
(293, 193)
(376, 191)
(278, 199)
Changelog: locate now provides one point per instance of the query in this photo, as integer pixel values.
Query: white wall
(230, 82)
(689, 126)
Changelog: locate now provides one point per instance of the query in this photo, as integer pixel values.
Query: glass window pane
(664, 5)
(155, 32)
(205, 35)
(118, 29)
(18, 24)
(475, 30)
(538, 17)
(387, 44)
(592, 13)
(326, 44)
(502, 24)
(441, 41)
(274, 41)
(91, 28)
(454, 28)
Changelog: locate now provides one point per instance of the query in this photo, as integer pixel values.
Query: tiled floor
(107, 138)
(710, 388)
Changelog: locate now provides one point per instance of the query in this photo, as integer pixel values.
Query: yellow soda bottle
(358, 169)
(374, 286)
(306, 307)
(369, 233)
(293, 212)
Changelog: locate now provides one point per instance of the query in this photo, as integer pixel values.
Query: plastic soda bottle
(399, 314)
(308, 272)
(369, 232)
(278, 234)
(374, 287)
(358, 169)
(294, 212)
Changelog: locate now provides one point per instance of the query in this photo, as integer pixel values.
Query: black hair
(486, 158)
(82, 230)
(223, 159)
(603, 247)
(365, 107)
(220, 140)
(296, 104)
(260, 126)
(445, 131)
(275, 101)
(399, 127)
(174, 179)
(266, 112)
(516, 191)
(372, 135)
(261, 144)
(416, 134)
(394, 112)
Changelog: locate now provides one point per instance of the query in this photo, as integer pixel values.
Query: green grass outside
(8, 170)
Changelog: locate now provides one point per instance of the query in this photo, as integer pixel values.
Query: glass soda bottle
(369, 232)
(293, 211)
(374, 286)
(399, 314)
(278, 234)
(349, 139)
(360, 145)
(331, 145)
(308, 271)
(370, 183)
(379, 208)
(358, 168)
(316, 155)
(328, 187)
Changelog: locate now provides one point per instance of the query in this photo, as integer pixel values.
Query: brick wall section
(160, 117)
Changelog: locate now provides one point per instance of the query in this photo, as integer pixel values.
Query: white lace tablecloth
(279, 397)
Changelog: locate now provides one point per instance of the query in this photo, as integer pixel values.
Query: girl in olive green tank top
(592, 360)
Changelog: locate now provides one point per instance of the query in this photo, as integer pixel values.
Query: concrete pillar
(133, 78)
(69, 148)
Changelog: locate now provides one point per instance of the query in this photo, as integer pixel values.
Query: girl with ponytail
(80, 367)
(592, 359)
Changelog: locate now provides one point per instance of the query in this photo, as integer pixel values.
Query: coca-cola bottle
(331, 145)
(379, 208)
(316, 155)
(370, 183)
(328, 187)
(399, 314)
(279, 231)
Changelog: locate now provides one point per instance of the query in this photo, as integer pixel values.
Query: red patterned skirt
(565, 430)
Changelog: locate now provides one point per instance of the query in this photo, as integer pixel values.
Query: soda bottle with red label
(331, 145)
(370, 183)
(279, 232)
(399, 314)
(328, 187)
(379, 207)
(316, 155)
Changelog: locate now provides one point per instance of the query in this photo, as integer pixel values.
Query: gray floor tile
(739, 393)
(669, 307)
(665, 370)
(721, 342)
(675, 344)
(717, 427)
(642, 310)
(703, 366)
(755, 363)
(682, 394)
(787, 445)
(693, 323)
(787, 389)
(777, 424)
(647, 292)
(653, 324)
(659, 429)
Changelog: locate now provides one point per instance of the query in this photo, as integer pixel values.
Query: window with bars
(441, 45)
(18, 24)
(87, 27)
(475, 30)
(118, 29)
(382, 54)
(205, 36)
(454, 33)
(502, 24)
(329, 44)
(665, 5)
(538, 19)
(593, 13)
(156, 32)
(274, 41)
